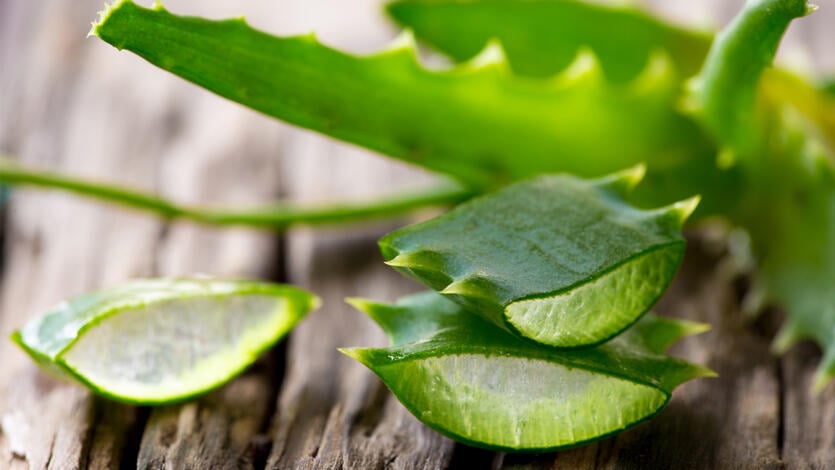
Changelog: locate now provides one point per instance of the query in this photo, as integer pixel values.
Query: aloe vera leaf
(162, 340)
(478, 384)
(477, 122)
(725, 91)
(557, 259)
(777, 126)
(543, 36)
(276, 217)
(789, 211)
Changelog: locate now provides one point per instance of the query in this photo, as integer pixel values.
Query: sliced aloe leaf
(560, 260)
(157, 341)
(493, 127)
(478, 384)
(543, 36)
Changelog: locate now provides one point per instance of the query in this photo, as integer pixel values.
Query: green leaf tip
(825, 372)
(542, 37)
(790, 334)
(678, 212)
(516, 257)
(623, 182)
(104, 14)
(492, 57)
(403, 44)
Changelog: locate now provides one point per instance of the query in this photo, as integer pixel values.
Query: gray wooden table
(79, 106)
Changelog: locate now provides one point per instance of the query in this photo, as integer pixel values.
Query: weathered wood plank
(69, 99)
(182, 141)
(57, 246)
(332, 412)
(223, 154)
(808, 419)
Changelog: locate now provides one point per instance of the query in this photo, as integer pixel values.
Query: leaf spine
(584, 69)
(678, 212)
(361, 304)
(825, 372)
(658, 75)
(413, 259)
(403, 45)
(468, 286)
(790, 334)
(492, 57)
(624, 181)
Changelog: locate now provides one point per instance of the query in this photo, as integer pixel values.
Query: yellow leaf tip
(585, 68)
(402, 260)
(359, 303)
(403, 41)
(682, 210)
(624, 181)
(492, 56)
(658, 74)
(822, 379)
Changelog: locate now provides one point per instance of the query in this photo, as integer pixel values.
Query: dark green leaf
(560, 260)
(542, 37)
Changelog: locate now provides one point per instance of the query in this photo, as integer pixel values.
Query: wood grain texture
(79, 106)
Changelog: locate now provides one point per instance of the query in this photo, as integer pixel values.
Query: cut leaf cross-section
(557, 259)
(157, 341)
(479, 384)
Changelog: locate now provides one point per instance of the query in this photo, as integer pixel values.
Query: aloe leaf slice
(478, 384)
(558, 259)
(542, 36)
(476, 122)
(162, 340)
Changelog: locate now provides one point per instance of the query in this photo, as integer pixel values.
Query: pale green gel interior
(513, 402)
(176, 348)
(598, 309)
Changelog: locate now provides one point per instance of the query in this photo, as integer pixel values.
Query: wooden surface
(77, 105)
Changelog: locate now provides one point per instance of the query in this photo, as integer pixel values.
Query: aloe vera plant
(540, 87)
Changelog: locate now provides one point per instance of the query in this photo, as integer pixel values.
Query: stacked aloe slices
(536, 338)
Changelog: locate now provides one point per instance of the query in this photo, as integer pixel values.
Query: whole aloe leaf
(560, 260)
(476, 122)
(478, 384)
(543, 36)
